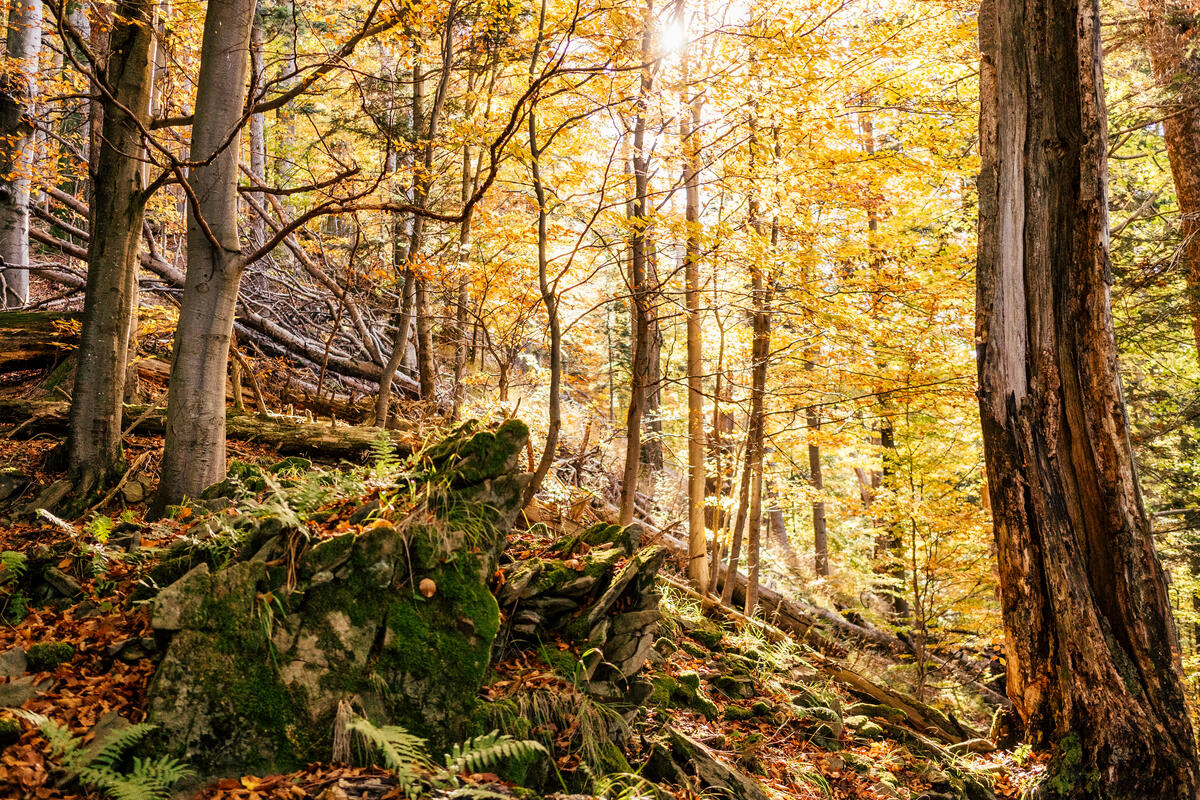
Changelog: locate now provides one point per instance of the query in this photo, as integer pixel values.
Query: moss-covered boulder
(397, 621)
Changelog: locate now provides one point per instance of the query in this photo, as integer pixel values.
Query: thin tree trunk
(110, 300)
(194, 454)
(258, 135)
(1092, 652)
(549, 298)
(816, 480)
(16, 158)
(739, 525)
(689, 133)
(638, 282)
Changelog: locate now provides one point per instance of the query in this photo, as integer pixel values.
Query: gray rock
(13, 663)
(712, 774)
(61, 582)
(257, 666)
(19, 691)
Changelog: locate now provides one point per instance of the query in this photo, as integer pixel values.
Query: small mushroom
(426, 587)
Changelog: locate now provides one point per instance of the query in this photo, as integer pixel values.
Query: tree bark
(1092, 652)
(689, 133)
(24, 44)
(816, 480)
(640, 310)
(110, 300)
(194, 454)
(545, 287)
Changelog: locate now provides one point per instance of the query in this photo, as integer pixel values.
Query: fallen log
(321, 440)
(800, 618)
(34, 339)
(920, 715)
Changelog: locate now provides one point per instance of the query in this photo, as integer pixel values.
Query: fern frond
(484, 752)
(113, 747)
(400, 751)
(62, 743)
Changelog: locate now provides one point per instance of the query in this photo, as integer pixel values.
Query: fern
(98, 766)
(13, 562)
(401, 752)
(383, 456)
(484, 752)
(408, 758)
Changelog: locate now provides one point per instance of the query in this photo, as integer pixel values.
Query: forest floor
(90, 654)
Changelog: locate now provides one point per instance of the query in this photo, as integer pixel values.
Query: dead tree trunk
(1092, 651)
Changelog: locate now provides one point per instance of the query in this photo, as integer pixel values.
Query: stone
(61, 582)
(738, 687)
(13, 663)
(12, 482)
(256, 666)
(828, 717)
(16, 693)
(134, 491)
(692, 757)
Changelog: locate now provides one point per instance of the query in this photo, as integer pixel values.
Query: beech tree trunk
(1092, 652)
(194, 454)
(817, 481)
(24, 44)
(110, 300)
(640, 310)
(689, 132)
(545, 287)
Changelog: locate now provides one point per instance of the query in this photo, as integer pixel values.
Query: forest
(628, 399)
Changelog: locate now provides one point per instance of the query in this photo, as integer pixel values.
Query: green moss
(761, 709)
(10, 731)
(292, 465)
(664, 691)
(48, 655)
(737, 713)
(708, 633)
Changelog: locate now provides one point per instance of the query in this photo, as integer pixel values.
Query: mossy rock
(400, 623)
(737, 713)
(241, 480)
(892, 715)
(708, 633)
(45, 656)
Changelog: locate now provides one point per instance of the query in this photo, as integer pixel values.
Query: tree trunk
(258, 134)
(1169, 29)
(689, 133)
(545, 287)
(16, 158)
(816, 480)
(194, 454)
(1092, 652)
(638, 281)
(760, 351)
(110, 301)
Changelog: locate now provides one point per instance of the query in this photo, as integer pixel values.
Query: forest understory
(600, 398)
